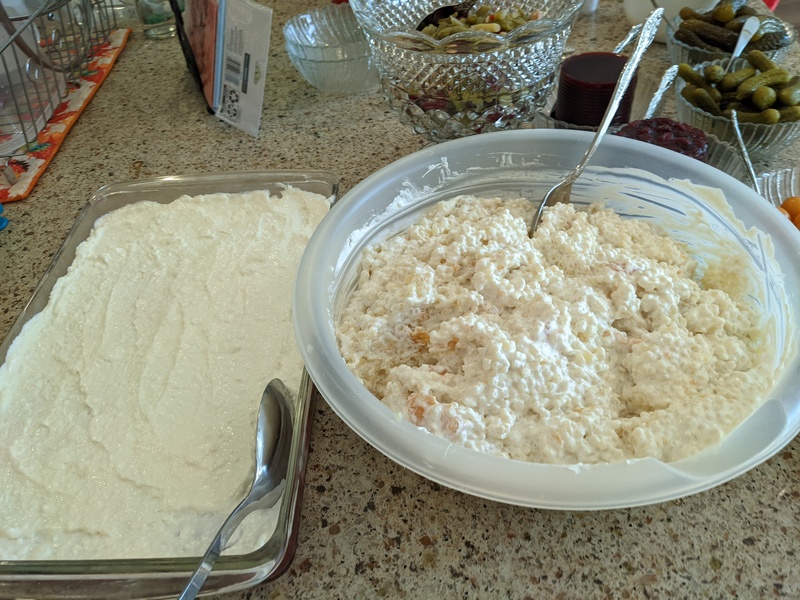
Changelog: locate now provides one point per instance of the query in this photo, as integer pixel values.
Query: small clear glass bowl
(761, 140)
(679, 52)
(776, 186)
(469, 82)
(330, 51)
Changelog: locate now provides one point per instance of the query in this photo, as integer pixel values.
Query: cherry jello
(670, 134)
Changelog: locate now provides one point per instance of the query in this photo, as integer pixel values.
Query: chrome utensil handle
(663, 86)
(649, 29)
(745, 154)
(749, 29)
(200, 574)
(634, 31)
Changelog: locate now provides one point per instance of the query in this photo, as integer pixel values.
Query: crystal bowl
(680, 52)
(469, 82)
(329, 50)
(761, 140)
(776, 186)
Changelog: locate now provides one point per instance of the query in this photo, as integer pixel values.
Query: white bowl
(527, 162)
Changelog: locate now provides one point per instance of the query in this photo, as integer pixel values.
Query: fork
(562, 190)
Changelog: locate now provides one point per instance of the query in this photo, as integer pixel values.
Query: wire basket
(44, 46)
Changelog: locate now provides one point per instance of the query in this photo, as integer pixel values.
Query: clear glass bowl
(679, 52)
(526, 163)
(776, 186)
(761, 140)
(330, 51)
(469, 82)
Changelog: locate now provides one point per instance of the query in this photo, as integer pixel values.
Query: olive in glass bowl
(470, 81)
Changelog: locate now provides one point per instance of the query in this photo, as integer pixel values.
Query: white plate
(527, 162)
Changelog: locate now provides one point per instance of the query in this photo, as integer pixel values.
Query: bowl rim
(467, 42)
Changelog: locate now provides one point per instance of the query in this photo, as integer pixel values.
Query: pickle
(688, 74)
(789, 95)
(689, 13)
(690, 39)
(760, 61)
(687, 92)
(704, 101)
(731, 81)
(768, 78)
(724, 11)
(766, 117)
(773, 40)
(713, 73)
(747, 11)
(763, 97)
(711, 34)
(736, 24)
(790, 113)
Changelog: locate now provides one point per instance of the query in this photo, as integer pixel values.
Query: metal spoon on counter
(273, 443)
(562, 190)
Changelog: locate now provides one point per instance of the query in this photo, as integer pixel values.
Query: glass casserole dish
(165, 577)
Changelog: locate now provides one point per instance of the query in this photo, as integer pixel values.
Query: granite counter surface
(369, 527)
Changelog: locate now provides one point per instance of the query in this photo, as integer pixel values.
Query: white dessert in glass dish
(128, 404)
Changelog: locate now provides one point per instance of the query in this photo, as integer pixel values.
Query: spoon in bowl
(562, 190)
(444, 12)
(273, 442)
(749, 29)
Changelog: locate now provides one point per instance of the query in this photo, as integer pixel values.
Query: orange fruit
(784, 212)
(792, 206)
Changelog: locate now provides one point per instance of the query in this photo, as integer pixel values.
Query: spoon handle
(649, 29)
(663, 86)
(749, 29)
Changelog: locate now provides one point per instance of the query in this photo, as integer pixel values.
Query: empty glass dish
(329, 49)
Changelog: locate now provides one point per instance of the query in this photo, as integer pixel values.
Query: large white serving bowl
(527, 162)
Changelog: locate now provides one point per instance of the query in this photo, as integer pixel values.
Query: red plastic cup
(585, 86)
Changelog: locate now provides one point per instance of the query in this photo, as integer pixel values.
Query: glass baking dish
(166, 577)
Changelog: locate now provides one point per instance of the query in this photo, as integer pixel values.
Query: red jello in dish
(667, 133)
(585, 86)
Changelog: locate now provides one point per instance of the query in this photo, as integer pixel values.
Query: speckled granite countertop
(369, 527)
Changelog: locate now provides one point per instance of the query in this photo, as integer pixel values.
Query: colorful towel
(30, 166)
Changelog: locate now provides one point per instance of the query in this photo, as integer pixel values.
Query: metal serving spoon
(443, 12)
(744, 153)
(273, 442)
(562, 190)
(749, 29)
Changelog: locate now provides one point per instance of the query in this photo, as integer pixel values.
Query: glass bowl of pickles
(765, 96)
(484, 69)
(701, 36)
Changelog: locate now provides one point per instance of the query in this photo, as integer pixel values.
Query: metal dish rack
(44, 46)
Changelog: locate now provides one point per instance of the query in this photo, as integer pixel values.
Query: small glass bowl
(761, 140)
(469, 82)
(330, 51)
(776, 186)
(679, 52)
